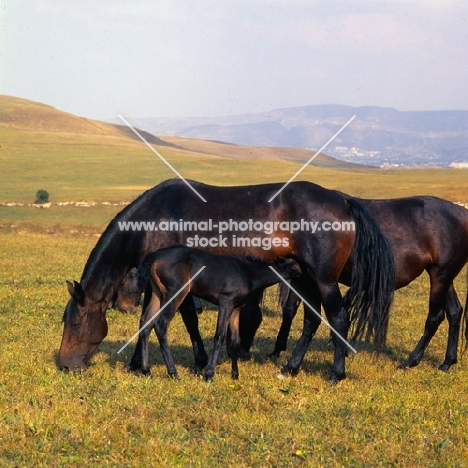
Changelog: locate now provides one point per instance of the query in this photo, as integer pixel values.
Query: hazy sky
(99, 58)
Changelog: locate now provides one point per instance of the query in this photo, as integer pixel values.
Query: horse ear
(76, 291)
(70, 288)
(79, 293)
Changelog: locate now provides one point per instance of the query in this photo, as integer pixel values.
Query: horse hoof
(287, 371)
(146, 371)
(174, 375)
(235, 375)
(274, 355)
(335, 378)
(444, 367)
(132, 367)
(244, 355)
(196, 370)
(406, 365)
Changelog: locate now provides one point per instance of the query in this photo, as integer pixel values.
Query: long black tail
(144, 270)
(465, 312)
(370, 296)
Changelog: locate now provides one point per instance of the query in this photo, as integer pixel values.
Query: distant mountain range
(19, 115)
(378, 136)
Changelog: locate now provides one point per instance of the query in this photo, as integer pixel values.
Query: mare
(322, 256)
(227, 281)
(426, 234)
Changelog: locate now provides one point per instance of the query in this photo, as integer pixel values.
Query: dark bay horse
(426, 234)
(227, 281)
(322, 257)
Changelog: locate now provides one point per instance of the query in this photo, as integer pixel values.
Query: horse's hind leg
(454, 312)
(189, 315)
(436, 315)
(250, 320)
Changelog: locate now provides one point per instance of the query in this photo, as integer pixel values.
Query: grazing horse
(322, 256)
(227, 281)
(426, 233)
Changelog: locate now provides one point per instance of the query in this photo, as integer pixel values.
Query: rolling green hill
(78, 159)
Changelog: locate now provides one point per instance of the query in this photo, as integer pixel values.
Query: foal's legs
(190, 318)
(436, 315)
(136, 361)
(148, 314)
(189, 315)
(224, 313)
(161, 324)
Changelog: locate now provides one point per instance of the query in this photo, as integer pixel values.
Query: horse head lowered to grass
(322, 256)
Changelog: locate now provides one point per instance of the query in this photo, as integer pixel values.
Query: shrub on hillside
(42, 196)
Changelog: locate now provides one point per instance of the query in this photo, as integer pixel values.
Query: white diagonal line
(312, 158)
(316, 313)
(159, 156)
(160, 310)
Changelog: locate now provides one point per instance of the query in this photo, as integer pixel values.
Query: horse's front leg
(140, 358)
(454, 314)
(224, 313)
(249, 321)
(435, 317)
(135, 362)
(312, 320)
(289, 312)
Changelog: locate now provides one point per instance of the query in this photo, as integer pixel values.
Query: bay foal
(227, 281)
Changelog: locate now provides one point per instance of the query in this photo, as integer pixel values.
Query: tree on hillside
(42, 196)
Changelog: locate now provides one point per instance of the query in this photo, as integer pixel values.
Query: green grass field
(378, 416)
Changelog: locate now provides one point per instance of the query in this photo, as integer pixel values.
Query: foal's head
(287, 267)
(129, 295)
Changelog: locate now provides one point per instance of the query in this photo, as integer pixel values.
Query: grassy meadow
(378, 416)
